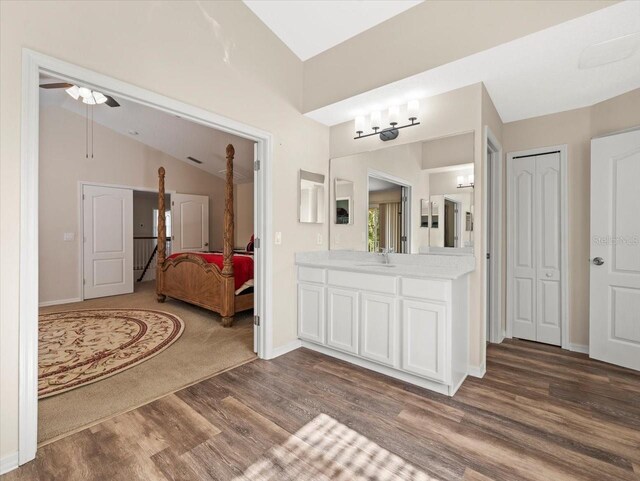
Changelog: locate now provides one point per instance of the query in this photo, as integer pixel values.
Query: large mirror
(312, 198)
(414, 198)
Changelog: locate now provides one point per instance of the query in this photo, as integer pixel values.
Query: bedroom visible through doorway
(110, 344)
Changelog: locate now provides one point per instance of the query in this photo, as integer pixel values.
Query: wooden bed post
(228, 302)
(162, 236)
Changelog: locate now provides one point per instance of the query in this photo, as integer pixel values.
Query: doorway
(36, 64)
(388, 225)
(492, 215)
(451, 222)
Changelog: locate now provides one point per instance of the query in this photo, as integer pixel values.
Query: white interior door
(108, 241)
(535, 248)
(614, 334)
(190, 222)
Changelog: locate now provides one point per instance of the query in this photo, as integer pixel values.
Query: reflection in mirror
(312, 199)
(388, 215)
(344, 201)
(451, 195)
(424, 213)
(405, 197)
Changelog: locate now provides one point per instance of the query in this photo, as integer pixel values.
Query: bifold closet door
(534, 224)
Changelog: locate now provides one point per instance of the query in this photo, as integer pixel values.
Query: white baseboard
(478, 371)
(279, 351)
(8, 463)
(579, 348)
(59, 301)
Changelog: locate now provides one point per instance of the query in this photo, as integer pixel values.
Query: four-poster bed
(205, 279)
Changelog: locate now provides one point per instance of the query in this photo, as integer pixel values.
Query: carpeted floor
(204, 349)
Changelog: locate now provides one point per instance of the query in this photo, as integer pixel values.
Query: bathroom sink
(375, 264)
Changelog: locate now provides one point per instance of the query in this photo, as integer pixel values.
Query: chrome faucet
(384, 252)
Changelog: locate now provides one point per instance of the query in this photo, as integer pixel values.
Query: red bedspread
(242, 265)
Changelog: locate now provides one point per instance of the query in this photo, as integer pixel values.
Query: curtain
(393, 229)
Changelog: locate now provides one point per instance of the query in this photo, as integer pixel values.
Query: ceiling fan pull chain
(92, 128)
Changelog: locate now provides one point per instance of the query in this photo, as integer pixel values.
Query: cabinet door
(378, 328)
(342, 325)
(311, 316)
(423, 339)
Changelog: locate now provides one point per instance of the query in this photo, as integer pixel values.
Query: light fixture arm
(394, 127)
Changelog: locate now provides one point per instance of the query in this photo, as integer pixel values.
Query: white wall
(216, 55)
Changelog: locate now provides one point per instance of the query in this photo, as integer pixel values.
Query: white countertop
(400, 265)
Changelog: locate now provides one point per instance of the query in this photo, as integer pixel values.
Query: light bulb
(74, 91)
(375, 120)
(413, 108)
(359, 124)
(84, 92)
(460, 180)
(99, 97)
(394, 114)
(471, 178)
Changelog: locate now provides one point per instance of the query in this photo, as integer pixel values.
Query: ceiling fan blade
(60, 85)
(111, 102)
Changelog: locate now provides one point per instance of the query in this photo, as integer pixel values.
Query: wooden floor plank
(540, 413)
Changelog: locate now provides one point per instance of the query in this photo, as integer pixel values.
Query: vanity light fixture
(462, 185)
(388, 133)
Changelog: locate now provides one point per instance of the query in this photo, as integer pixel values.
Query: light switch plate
(278, 239)
(69, 236)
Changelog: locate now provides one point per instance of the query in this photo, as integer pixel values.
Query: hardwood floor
(539, 413)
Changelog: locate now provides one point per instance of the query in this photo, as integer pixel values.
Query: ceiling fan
(89, 97)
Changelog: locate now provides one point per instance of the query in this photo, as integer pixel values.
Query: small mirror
(344, 201)
(311, 197)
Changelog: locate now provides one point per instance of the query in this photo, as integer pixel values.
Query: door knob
(598, 261)
(549, 274)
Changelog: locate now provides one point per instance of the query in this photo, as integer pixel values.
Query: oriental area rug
(80, 347)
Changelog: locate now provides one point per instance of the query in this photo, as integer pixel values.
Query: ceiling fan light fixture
(74, 92)
(88, 100)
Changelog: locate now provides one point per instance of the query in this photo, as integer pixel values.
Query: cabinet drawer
(311, 274)
(363, 282)
(425, 289)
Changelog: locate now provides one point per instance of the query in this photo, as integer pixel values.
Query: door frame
(34, 63)
(494, 265)
(564, 241)
(81, 185)
(406, 215)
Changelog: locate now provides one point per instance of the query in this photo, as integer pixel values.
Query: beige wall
(576, 128)
(447, 151)
(119, 160)
(215, 55)
(432, 34)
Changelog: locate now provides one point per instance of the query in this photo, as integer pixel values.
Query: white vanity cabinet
(414, 329)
